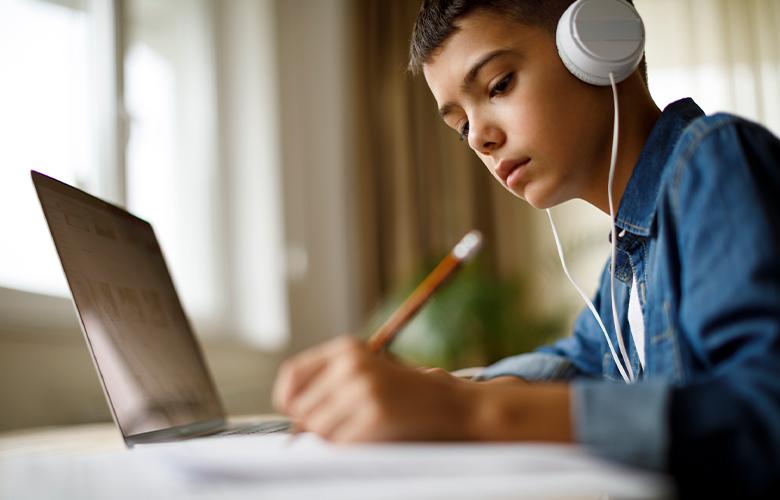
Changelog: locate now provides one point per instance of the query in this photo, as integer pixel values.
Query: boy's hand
(345, 393)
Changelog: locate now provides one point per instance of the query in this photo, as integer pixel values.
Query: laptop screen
(150, 364)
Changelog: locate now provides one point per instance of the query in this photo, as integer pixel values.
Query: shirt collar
(638, 205)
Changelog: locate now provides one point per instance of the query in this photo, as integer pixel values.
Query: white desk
(90, 461)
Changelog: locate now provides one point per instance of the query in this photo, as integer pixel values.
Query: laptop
(149, 363)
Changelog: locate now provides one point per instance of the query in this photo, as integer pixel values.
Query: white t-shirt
(636, 321)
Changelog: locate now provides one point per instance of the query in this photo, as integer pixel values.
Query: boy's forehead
(477, 35)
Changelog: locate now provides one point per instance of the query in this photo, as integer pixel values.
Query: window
(172, 169)
(47, 123)
(123, 98)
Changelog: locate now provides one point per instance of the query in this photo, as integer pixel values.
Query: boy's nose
(486, 139)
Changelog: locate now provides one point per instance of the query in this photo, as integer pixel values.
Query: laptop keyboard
(261, 428)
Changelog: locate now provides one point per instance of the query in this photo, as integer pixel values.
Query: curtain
(724, 53)
(419, 188)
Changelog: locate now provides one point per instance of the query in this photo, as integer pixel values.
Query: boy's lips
(505, 168)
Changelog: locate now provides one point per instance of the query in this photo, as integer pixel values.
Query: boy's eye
(464, 131)
(502, 85)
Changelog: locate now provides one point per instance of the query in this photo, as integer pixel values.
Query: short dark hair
(436, 22)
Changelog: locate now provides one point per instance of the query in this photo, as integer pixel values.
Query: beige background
(723, 52)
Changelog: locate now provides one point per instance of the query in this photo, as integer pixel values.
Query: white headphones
(599, 37)
(602, 42)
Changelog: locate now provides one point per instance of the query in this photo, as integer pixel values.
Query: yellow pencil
(464, 251)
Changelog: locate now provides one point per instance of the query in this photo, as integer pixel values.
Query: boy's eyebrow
(468, 80)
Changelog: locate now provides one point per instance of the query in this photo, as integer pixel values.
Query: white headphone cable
(627, 377)
(614, 237)
(585, 298)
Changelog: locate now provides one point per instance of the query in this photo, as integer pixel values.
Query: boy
(699, 235)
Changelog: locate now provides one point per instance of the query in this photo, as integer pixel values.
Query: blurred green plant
(476, 318)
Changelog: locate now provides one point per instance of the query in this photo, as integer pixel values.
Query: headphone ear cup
(599, 37)
(576, 71)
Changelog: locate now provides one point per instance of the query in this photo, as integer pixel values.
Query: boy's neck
(638, 115)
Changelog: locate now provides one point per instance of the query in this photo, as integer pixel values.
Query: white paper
(280, 466)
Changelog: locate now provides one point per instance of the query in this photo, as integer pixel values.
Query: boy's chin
(537, 198)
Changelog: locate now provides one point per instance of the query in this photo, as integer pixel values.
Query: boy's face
(543, 134)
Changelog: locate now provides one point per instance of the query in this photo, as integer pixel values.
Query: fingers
(340, 371)
(345, 393)
(344, 389)
(362, 426)
(291, 379)
(356, 396)
(351, 414)
(298, 372)
(335, 413)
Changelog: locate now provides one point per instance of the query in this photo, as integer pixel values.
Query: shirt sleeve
(727, 202)
(534, 366)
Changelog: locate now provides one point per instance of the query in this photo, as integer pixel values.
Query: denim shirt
(699, 228)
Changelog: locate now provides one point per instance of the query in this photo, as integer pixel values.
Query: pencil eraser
(468, 246)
